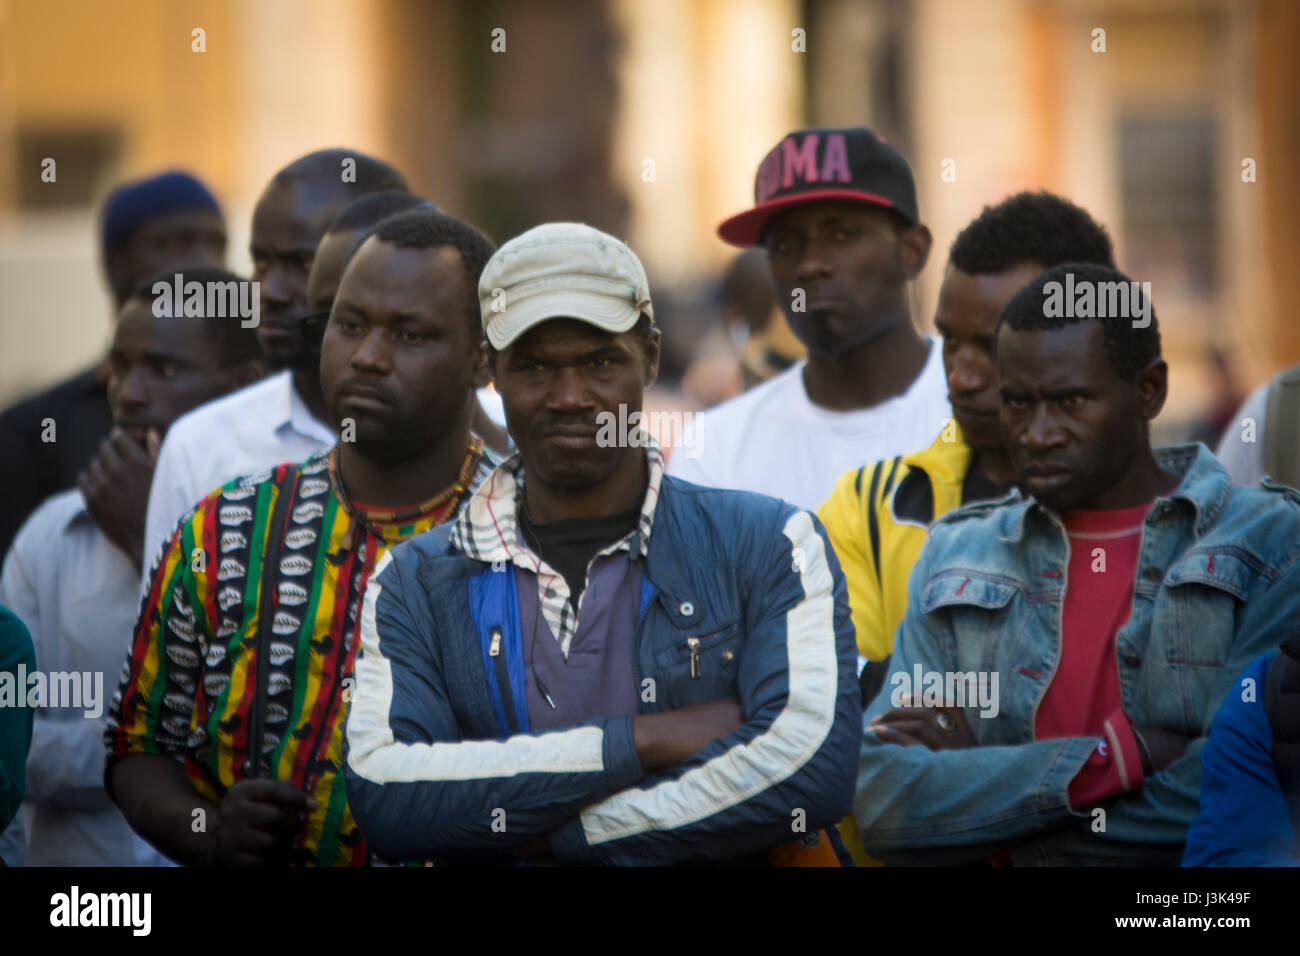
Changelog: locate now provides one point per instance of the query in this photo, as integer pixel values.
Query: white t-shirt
(1244, 461)
(258, 427)
(774, 440)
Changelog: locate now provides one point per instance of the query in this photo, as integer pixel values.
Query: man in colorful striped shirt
(225, 738)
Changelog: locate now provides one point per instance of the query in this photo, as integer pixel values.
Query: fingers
(905, 714)
(922, 731)
(891, 736)
(110, 453)
(153, 444)
(260, 816)
(276, 792)
(95, 470)
(126, 450)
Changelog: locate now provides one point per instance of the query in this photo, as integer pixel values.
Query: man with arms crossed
(1099, 621)
(596, 662)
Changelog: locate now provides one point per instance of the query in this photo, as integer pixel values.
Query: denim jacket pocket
(1203, 589)
(979, 609)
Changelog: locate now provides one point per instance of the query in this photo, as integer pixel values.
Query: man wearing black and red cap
(836, 211)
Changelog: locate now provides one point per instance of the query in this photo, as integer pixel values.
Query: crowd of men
(370, 586)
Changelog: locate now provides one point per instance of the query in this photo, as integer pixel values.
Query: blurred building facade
(647, 119)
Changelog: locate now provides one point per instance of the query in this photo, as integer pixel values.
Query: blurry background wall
(647, 119)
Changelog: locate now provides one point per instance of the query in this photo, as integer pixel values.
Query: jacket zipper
(496, 651)
(693, 645)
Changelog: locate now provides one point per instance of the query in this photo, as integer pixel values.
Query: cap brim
(745, 228)
(605, 313)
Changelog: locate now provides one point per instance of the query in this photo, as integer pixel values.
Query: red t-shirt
(1084, 696)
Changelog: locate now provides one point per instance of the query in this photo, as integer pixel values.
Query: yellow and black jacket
(877, 519)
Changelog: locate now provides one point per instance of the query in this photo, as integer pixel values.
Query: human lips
(970, 410)
(1043, 478)
(1045, 469)
(365, 396)
(570, 436)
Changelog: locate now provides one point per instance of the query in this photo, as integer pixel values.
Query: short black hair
(325, 168)
(1130, 349)
(368, 211)
(1030, 227)
(227, 333)
(430, 229)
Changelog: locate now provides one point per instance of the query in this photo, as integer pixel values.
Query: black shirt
(32, 469)
(975, 487)
(569, 544)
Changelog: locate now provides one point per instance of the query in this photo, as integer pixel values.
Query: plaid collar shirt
(487, 530)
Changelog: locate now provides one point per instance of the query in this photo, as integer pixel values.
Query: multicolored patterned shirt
(189, 685)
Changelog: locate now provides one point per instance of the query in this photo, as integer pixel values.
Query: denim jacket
(1217, 584)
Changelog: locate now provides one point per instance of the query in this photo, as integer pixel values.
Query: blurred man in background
(750, 344)
(283, 417)
(168, 221)
(76, 590)
(836, 212)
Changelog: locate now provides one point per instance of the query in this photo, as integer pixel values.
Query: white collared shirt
(258, 427)
(76, 592)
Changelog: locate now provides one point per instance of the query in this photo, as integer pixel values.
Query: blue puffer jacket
(433, 771)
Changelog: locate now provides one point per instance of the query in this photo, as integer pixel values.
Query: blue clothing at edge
(1245, 819)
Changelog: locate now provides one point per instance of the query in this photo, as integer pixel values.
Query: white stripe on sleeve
(794, 736)
(374, 755)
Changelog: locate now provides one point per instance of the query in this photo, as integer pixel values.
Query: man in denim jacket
(1064, 652)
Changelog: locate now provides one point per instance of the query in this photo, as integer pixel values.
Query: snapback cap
(815, 165)
(561, 270)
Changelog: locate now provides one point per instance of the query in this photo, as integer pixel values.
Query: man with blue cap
(147, 227)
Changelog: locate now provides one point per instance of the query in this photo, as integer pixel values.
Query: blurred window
(1167, 191)
(84, 163)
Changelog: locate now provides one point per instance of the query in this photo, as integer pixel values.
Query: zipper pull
(495, 648)
(694, 644)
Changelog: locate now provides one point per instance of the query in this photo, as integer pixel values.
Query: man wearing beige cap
(596, 663)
